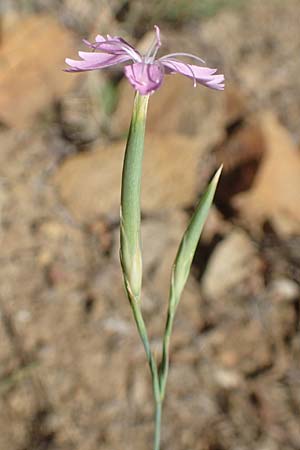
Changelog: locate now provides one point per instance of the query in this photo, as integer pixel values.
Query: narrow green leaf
(188, 245)
(181, 270)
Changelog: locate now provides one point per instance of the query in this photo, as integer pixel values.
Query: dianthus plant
(146, 74)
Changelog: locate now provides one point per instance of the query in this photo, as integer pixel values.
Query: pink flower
(145, 73)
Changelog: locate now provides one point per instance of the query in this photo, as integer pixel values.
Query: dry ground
(72, 370)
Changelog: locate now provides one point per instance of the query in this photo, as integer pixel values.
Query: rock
(284, 290)
(32, 58)
(227, 379)
(236, 106)
(215, 226)
(89, 184)
(232, 264)
(160, 240)
(276, 187)
(56, 267)
(283, 323)
(245, 348)
(240, 152)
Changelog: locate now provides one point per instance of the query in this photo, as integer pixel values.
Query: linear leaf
(189, 242)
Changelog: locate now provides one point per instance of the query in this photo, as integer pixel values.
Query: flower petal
(94, 60)
(100, 38)
(114, 45)
(202, 75)
(216, 82)
(145, 78)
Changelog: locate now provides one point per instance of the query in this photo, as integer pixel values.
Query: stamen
(86, 42)
(154, 47)
(157, 30)
(183, 54)
(150, 50)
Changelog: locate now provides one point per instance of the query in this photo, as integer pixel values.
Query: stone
(89, 184)
(232, 263)
(276, 187)
(32, 58)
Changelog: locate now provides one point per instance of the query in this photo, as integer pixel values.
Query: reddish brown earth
(72, 369)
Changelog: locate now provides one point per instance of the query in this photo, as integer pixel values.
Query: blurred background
(72, 369)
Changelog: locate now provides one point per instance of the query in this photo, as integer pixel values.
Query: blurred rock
(32, 58)
(240, 349)
(226, 378)
(233, 263)
(160, 237)
(284, 290)
(7, 356)
(7, 20)
(236, 107)
(276, 187)
(240, 151)
(215, 225)
(234, 375)
(62, 271)
(89, 184)
(276, 83)
(79, 113)
(283, 322)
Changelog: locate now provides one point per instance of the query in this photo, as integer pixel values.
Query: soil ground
(72, 369)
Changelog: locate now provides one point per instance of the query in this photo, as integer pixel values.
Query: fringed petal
(93, 61)
(202, 75)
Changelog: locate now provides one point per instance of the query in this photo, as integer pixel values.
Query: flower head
(146, 72)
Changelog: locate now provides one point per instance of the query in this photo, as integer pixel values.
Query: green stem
(145, 340)
(158, 412)
(153, 369)
(164, 366)
(130, 249)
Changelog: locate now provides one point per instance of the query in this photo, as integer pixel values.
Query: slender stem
(145, 340)
(153, 369)
(130, 248)
(164, 366)
(158, 412)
